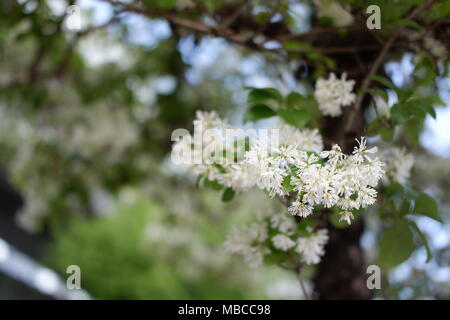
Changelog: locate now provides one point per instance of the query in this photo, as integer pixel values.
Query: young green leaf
(212, 184)
(259, 111)
(275, 258)
(228, 194)
(269, 96)
(297, 117)
(396, 244)
(399, 114)
(385, 81)
(427, 206)
(287, 184)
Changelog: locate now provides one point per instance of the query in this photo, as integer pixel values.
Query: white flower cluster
(344, 181)
(258, 167)
(318, 178)
(333, 9)
(432, 45)
(311, 248)
(332, 94)
(250, 243)
(296, 166)
(399, 164)
(436, 47)
(253, 242)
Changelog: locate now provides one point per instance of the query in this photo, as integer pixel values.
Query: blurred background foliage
(85, 125)
(152, 253)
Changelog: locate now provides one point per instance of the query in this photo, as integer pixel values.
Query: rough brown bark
(342, 272)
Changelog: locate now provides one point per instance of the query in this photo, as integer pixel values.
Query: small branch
(62, 66)
(298, 270)
(33, 72)
(378, 62)
(229, 20)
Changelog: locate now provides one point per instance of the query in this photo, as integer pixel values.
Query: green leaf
(413, 129)
(399, 114)
(325, 21)
(305, 225)
(212, 184)
(423, 239)
(275, 258)
(259, 111)
(393, 190)
(404, 95)
(297, 117)
(297, 46)
(427, 206)
(373, 128)
(385, 81)
(387, 134)
(162, 4)
(228, 194)
(375, 92)
(409, 23)
(296, 100)
(213, 5)
(264, 96)
(314, 56)
(426, 107)
(396, 244)
(287, 184)
(405, 207)
(398, 190)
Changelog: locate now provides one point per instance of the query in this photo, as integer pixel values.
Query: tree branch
(378, 62)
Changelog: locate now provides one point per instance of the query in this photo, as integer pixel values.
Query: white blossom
(436, 47)
(282, 242)
(236, 177)
(264, 170)
(209, 119)
(360, 153)
(298, 208)
(303, 139)
(312, 248)
(399, 164)
(333, 9)
(248, 243)
(346, 216)
(332, 94)
(282, 222)
(318, 185)
(319, 178)
(255, 256)
(335, 155)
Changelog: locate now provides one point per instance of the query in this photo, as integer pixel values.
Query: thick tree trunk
(342, 272)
